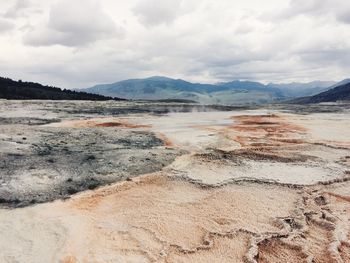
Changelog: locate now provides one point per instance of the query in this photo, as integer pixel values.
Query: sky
(80, 43)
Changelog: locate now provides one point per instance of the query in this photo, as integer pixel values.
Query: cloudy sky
(78, 43)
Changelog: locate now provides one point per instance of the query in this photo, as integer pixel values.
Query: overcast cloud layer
(79, 43)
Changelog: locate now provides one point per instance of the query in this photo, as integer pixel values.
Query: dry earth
(262, 185)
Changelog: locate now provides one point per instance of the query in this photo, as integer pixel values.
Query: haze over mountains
(234, 92)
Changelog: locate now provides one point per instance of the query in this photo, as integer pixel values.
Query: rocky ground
(169, 182)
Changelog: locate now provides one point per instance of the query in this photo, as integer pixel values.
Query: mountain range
(177, 90)
(228, 93)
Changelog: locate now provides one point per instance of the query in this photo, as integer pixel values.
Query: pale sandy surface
(155, 219)
(315, 145)
(250, 186)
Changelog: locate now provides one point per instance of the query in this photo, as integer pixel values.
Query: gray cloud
(297, 7)
(6, 25)
(344, 15)
(334, 56)
(337, 8)
(16, 9)
(154, 12)
(73, 24)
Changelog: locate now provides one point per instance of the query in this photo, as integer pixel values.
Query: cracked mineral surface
(167, 182)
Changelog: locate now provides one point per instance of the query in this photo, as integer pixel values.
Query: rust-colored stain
(167, 142)
(340, 197)
(120, 124)
(272, 125)
(91, 200)
(274, 250)
(101, 123)
(266, 130)
(270, 130)
(109, 124)
(69, 259)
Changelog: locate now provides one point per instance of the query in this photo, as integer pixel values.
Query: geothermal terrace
(167, 182)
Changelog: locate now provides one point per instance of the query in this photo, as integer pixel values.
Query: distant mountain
(153, 88)
(10, 89)
(339, 93)
(295, 89)
(160, 88)
(229, 93)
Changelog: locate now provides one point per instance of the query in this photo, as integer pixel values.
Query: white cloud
(72, 23)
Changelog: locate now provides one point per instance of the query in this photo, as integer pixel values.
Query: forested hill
(20, 90)
(339, 93)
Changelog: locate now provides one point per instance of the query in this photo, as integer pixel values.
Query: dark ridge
(20, 90)
(339, 93)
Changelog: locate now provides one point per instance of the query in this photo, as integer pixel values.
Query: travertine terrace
(158, 182)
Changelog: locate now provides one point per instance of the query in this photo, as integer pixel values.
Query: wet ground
(174, 182)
